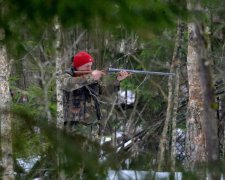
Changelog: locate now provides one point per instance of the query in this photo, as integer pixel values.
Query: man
(83, 88)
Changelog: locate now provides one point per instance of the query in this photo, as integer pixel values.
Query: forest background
(174, 123)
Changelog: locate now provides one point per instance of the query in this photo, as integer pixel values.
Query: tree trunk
(59, 93)
(210, 123)
(195, 141)
(177, 60)
(221, 118)
(6, 132)
(201, 138)
(163, 139)
(169, 114)
(173, 85)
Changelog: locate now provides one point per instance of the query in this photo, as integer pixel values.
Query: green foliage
(156, 54)
(27, 142)
(34, 98)
(155, 102)
(150, 15)
(212, 5)
(31, 18)
(74, 152)
(139, 162)
(129, 84)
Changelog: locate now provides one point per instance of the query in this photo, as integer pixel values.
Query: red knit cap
(82, 58)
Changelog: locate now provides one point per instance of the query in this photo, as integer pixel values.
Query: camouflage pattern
(79, 102)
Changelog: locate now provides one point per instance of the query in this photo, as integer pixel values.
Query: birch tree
(59, 94)
(6, 133)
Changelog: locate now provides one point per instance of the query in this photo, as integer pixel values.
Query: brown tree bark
(195, 140)
(201, 138)
(210, 123)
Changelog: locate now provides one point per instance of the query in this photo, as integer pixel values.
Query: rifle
(113, 70)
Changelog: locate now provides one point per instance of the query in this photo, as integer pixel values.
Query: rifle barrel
(141, 72)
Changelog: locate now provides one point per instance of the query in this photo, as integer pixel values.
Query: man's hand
(122, 75)
(96, 74)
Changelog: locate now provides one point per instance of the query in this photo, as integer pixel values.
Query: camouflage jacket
(82, 96)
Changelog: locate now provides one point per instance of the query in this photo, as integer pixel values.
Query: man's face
(85, 67)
